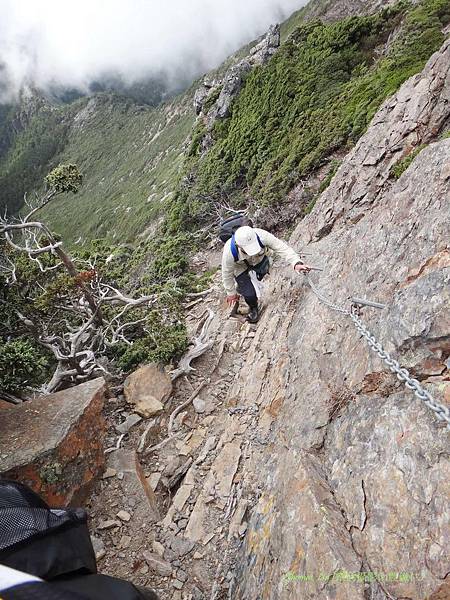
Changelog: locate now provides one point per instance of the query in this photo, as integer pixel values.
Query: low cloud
(56, 42)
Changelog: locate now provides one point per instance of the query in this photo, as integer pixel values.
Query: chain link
(321, 297)
(442, 412)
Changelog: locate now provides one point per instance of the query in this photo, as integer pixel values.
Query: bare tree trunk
(73, 272)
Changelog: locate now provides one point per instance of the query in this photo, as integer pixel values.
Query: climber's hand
(232, 299)
(300, 268)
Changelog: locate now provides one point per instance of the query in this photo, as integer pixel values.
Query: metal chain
(442, 412)
(335, 307)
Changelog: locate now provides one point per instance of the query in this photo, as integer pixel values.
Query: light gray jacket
(272, 247)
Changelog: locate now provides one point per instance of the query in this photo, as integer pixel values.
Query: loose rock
(108, 524)
(123, 515)
(129, 422)
(158, 564)
(147, 389)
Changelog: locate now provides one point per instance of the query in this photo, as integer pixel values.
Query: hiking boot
(253, 314)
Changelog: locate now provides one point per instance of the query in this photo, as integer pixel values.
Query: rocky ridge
(213, 98)
(353, 478)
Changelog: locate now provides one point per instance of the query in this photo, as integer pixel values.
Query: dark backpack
(228, 228)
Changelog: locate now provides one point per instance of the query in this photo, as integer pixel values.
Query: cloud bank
(65, 43)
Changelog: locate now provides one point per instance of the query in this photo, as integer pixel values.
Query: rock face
(54, 443)
(231, 83)
(352, 469)
(147, 389)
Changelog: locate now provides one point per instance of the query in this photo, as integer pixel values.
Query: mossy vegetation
(22, 364)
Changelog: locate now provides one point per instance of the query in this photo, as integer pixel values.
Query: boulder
(233, 80)
(157, 564)
(232, 84)
(267, 47)
(200, 96)
(54, 443)
(147, 389)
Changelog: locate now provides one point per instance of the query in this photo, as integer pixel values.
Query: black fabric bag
(87, 587)
(261, 269)
(39, 540)
(54, 545)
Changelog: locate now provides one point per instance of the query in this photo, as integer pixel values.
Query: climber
(245, 261)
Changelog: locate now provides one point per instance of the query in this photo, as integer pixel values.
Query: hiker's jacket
(272, 247)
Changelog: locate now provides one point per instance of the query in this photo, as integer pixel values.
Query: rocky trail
(173, 518)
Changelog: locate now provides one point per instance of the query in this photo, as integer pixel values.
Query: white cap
(247, 239)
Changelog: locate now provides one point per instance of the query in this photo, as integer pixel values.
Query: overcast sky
(74, 42)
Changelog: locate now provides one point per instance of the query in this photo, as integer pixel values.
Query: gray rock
(199, 405)
(123, 515)
(181, 546)
(158, 548)
(99, 547)
(157, 564)
(232, 81)
(267, 47)
(108, 524)
(129, 422)
(197, 594)
(199, 98)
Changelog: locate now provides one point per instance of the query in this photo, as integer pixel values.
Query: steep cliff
(353, 470)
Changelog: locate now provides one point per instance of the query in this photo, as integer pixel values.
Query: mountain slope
(316, 96)
(130, 157)
(129, 154)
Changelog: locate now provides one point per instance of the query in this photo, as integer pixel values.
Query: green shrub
(65, 178)
(163, 343)
(211, 99)
(21, 364)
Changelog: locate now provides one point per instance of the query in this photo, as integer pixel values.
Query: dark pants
(247, 289)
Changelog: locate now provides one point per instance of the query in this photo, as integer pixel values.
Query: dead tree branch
(201, 345)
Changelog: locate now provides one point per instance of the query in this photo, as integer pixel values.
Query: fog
(45, 43)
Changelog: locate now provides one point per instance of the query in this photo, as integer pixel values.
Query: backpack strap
(261, 245)
(234, 250)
